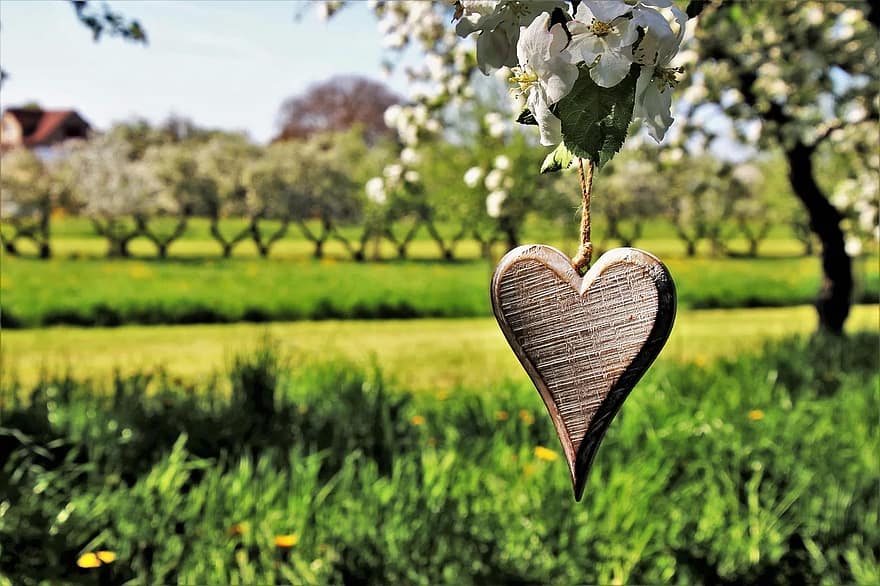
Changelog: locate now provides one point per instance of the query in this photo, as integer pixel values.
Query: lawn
(102, 292)
(420, 354)
(760, 469)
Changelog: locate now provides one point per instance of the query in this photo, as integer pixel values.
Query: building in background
(39, 129)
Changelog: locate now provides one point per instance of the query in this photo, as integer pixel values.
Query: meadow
(754, 469)
(78, 287)
(323, 449)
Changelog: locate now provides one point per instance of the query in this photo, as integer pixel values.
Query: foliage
(748, 480)
(336, 105)
(108, 22)
(29, 188)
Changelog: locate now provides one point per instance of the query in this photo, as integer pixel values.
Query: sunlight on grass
(420, 354)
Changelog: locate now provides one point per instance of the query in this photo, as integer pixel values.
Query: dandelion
(286, 541)
(528, 470)
(502, 416)
(546, 454)
(526, 417)
(88, 560)
(238, 529)
(95, 559)
(756, 415)
(417, 420)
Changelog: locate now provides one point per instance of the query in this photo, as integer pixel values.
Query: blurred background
(246, 332)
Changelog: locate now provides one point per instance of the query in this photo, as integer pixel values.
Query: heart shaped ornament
(584, 341)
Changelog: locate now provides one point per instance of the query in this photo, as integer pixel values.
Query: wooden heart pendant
(584, 341)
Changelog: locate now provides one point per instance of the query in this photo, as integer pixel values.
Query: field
(423, 355)
(735, 471)
(80, 288)
(185, 445)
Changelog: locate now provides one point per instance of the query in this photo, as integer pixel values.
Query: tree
(803, 74)
(114, 189)
(224, 159)
(29, 189)
(336, 105)
(183, 185)
(276, 192)
(632, 191)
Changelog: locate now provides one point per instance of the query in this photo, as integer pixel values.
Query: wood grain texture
(584, 341)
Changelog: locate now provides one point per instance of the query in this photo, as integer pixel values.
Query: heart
(584, 341)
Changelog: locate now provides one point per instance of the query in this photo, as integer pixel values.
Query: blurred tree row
(143, 181)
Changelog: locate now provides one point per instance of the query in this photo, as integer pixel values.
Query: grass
(420, 354)
(759, 469)
(98, 292)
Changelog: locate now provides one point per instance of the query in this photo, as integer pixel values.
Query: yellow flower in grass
(526, 417)
(417, 420)
(95, 559)
(756, 415)
(238, 529)
(442, 395)
(546, 454)
(502, 415)
(286, 541)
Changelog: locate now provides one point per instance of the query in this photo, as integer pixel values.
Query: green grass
(107, 293)
(760, 469)
(420, 354)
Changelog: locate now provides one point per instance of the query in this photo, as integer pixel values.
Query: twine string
(584, 254)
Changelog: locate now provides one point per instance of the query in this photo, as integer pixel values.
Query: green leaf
(526, 117)
(595, 120)
(559, 159)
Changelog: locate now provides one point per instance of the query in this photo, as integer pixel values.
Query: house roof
(39, 125)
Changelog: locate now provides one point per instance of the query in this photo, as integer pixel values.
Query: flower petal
(654, 108)
(561, 80)
(605, 10)
(612, 67)
(494, 50)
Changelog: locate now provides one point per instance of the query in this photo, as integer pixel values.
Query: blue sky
(224, 64)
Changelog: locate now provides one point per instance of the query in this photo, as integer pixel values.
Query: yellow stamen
(600, 29)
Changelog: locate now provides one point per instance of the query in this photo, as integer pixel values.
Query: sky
(223, 64)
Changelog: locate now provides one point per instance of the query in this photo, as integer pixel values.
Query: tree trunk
(45, 250)
(835, 296)
(118, 248)
(227, 250)
(9, 247)
(753, 248)
(162, 249)
(509, 231)
(691, 248)
(319, 249)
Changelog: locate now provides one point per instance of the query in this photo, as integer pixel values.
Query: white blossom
(544, 75)
(502, 162)
(498, 26)
(495, 124)
(655, 83)
(602, 37)
(494, 203)
(375, 188)
(494, 179)
(409, 156)
(473, 176)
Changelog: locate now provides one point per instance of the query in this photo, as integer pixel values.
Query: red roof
(39, 125)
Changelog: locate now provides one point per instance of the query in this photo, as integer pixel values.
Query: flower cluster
(497, 182)
(395, 178)
(548, 49)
